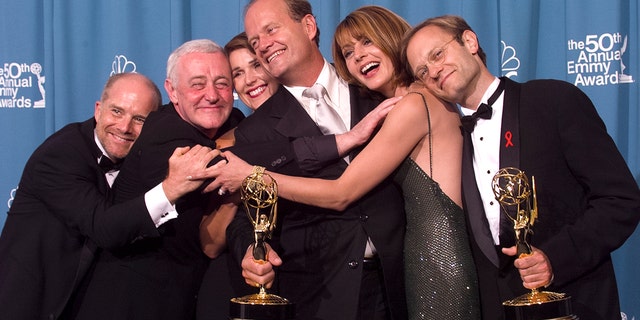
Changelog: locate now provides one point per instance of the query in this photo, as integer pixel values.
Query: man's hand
(361, 132)
(228, 174)
(535, 268)
(184, 163)
(256, 272)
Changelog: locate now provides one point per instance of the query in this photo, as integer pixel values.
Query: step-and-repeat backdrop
(56, 55)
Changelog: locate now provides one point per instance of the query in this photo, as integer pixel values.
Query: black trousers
(373, 303)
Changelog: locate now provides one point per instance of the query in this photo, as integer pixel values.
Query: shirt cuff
(159, 207)
(553, 276)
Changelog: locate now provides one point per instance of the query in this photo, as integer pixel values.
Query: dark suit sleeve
(292, 156)
(315, 152)
(595, 201)
(239, 234)
(64, 176)
(122, 224)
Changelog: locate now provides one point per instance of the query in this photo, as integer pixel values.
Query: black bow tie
(484, 110)
(469, 122)
(107, 165)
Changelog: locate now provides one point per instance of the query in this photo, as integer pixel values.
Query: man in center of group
(335, 265)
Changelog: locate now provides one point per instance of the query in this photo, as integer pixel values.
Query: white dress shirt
(338, 91)
(486, 156)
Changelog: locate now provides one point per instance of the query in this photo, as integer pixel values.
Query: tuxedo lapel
(88, 251)
(361, 105)
(510, 132)
(87, 129)
(473, 204)
(509, 153)
(291, 118)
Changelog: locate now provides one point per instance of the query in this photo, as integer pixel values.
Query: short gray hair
(198, 45)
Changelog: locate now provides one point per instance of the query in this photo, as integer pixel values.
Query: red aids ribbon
(508, 136)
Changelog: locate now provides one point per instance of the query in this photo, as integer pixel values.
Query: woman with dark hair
(251, 81)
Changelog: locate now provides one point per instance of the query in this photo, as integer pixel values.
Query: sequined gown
(441, 279)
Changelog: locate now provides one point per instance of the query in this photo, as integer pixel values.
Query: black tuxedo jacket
(588, 201)
(58, 218)
(323, 249)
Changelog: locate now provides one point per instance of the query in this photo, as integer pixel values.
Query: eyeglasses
(435, 58)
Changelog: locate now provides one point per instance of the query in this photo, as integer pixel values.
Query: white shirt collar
(328, 77)
(95, 137)
(487, 94)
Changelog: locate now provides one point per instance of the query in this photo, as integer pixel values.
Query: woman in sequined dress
(420, 146)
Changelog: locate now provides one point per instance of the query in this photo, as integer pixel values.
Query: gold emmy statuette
(259, 194)
(511, 188)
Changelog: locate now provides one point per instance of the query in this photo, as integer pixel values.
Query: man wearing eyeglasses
(588, 200)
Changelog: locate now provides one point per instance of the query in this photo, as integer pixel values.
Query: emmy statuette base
(261, 306)
(539, 305)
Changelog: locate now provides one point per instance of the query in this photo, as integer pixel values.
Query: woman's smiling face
(250, 80)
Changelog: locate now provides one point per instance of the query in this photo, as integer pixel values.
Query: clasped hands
(190, 167)
(184, 164)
